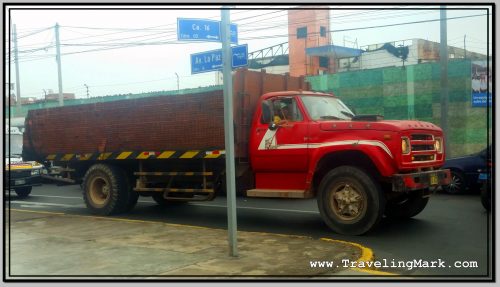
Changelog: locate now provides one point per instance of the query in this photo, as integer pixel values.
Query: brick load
(176, 122)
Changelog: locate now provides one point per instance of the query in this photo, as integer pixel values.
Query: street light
(87, 90)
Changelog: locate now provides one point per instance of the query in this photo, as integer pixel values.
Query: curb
(367, 254)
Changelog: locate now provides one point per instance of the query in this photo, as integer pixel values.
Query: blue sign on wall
(203, 30)
(212, 60)
(479, 99)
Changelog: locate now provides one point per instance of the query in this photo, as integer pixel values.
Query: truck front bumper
(420, 180)
(22, 179)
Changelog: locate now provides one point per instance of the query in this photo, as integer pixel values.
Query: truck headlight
(405, 145)
(438, 145)
(35, 172)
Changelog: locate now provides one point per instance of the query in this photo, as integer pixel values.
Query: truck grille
(422, 147)
(422, 137)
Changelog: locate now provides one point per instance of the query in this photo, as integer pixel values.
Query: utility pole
(16, 61)
(443, 57)
(87, 90)
(229, 131)
(465, 49)
(401, 46)
(58, 59)
(177, 80)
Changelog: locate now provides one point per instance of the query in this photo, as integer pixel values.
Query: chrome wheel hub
(347, 202)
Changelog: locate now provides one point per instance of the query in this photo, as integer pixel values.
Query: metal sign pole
(59, 71)
(229, 132)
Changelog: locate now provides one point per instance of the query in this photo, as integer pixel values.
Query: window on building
(323, 62)
(301, 32)
(322, 31)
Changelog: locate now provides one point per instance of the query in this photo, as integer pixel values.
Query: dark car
(465, 171)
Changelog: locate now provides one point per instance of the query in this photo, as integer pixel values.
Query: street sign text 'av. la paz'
(212, 60)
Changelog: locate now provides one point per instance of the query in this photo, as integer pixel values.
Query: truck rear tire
(350, 201)
(408, 206)
(23, 192)
(106, 190)
(133, 196)
(132, 200)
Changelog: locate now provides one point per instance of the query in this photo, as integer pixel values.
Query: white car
(22, 176)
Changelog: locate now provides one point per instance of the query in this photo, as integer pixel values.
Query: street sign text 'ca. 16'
(203, 30)
(212, 60)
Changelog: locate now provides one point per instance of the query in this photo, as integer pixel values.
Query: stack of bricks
(178, 122)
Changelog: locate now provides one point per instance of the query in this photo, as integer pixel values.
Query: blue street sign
(212, 60)
(239, 56)
(203, 30)
(206, 61)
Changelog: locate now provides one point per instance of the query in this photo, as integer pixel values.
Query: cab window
(286, 109)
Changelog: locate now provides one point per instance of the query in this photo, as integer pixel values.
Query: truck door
(280, 138)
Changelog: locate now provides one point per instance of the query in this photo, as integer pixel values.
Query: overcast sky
(106, 49)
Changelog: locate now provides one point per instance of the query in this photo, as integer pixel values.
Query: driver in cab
(281, 114)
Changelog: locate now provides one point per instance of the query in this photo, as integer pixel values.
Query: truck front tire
(23, 192)
(407, 206)
(106, 190)
(486, 196)
(350, 201)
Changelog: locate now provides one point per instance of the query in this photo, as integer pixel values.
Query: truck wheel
(23, 192)
(350, 201)
(408, 206)
(132, 200)
(105, 190)
(133, 196)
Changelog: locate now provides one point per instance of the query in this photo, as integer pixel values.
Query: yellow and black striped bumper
(132, 155)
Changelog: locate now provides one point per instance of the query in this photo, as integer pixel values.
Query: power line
(173, 32)
(363, 28)
(406, 23)
(35, 32)
(173, 41)
(286, 35)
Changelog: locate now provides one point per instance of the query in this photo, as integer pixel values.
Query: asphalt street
(452, 231)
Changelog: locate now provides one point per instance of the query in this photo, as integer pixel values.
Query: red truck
(289, 143)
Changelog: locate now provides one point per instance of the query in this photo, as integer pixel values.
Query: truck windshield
(326, 108)
(15, 142)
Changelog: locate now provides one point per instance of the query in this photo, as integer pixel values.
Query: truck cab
(306, 144)
(21, 175)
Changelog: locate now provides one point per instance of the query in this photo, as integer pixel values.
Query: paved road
(452, 228)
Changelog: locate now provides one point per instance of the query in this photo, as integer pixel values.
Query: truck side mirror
(267, 114)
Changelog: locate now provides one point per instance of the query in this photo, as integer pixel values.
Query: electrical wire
(108, 46)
